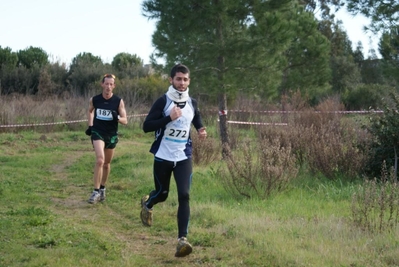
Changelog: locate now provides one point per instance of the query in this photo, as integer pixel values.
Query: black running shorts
(109, 140)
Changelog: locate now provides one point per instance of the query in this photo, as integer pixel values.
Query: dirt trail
(137, 240)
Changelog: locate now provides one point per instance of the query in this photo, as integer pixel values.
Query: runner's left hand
(115, 115)
(202, 133)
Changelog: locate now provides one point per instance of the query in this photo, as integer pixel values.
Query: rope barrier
(39, 124)
(55, 123)
(259, 123)
(224, 113)
(295, 112)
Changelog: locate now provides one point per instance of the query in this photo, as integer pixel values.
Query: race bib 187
(104, 114)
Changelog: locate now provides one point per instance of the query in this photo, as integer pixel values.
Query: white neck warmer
(176, 95)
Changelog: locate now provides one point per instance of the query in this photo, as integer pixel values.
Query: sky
(353, 25)
(64, 29)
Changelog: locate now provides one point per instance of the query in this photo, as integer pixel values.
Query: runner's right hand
(88, 131)
(175, 113)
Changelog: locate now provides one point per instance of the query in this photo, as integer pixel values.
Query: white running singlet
(176, 135)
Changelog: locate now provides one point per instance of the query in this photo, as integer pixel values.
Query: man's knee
(163, 196)
(106, 165)
(100, 162)
(184, 197)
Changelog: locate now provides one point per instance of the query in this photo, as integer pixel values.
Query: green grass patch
(45, 220)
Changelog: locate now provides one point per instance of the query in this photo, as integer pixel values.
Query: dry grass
(375, 206)
(20, 110)
(45, 219)
(259, 168)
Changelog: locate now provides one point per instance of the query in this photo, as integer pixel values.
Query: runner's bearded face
(181, 81)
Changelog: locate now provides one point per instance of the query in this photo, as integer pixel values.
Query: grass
(46, 179)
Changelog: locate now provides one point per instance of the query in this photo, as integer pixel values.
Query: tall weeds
(319, 138)
(23, 110)
(18, 109)
(327, 142)
(375, 207)
(205, 151)
(260, 168)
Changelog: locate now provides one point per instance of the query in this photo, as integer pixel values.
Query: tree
(345, 71)
(21, 80)
(128, 65)
(8, 62)
(384, 17)
(46, 86)
(307, 68)
(87, 59)
(367, 96)
(384, 14)
(85, 70)
(389, 50)
(324, 6)
(59, 74)
(8, 59)
(32, 56)
(230, 45)
(125, 60)
(25, 77)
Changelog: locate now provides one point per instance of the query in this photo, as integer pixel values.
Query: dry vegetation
(264, 159)
(375, 206)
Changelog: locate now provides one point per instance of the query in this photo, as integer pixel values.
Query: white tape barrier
(259, 123)
(299, 112)
(39, 124)
(232, 122)
(55, 123)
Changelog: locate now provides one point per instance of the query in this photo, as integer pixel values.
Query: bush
(327, 142)
(366, 96)
(52, 110)
(205, 151)
(385, 131)
(375, 207)
(260, 168)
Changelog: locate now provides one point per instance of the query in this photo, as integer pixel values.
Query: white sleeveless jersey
(176, 135)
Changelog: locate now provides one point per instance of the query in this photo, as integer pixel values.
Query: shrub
(205, 151)
(260, 168)
(51, 110)
(366, 96)
(329, 143)
(385, 130)
(375, 207)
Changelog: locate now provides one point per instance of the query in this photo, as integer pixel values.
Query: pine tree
(229, 45)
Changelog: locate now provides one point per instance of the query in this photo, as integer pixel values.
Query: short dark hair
(179, 68)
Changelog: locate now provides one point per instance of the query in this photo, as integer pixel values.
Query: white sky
(353, 25)
(104, 28)
(66, 28)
